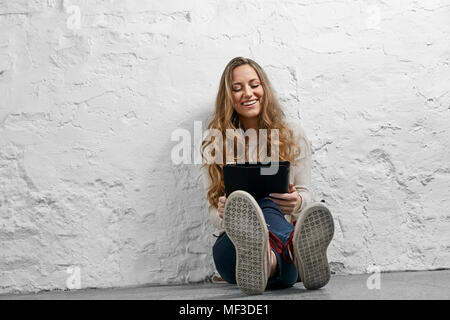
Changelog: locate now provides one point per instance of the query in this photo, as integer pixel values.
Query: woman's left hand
(288, 202)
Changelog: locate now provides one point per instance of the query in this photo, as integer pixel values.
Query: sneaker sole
(312, 235)
(246, 227)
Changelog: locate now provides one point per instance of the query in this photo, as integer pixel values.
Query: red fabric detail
(279, 247)
(275, 243)
(290, 245)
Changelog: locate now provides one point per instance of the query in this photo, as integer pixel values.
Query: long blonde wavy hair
(225, 117)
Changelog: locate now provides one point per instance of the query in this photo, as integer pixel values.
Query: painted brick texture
(91, 91)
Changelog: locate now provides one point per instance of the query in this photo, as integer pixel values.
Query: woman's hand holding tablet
(288, 202)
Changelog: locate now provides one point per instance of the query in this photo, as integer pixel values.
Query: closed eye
(239, 89)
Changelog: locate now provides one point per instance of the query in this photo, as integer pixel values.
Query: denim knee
(224, 255)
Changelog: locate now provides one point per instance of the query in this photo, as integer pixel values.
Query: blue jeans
(224, 253)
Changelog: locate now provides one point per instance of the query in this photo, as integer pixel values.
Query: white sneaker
(246, 227)
(308, 244)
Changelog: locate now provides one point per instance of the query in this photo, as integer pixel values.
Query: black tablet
(258, 179)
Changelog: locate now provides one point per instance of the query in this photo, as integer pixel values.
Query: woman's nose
(248, 92)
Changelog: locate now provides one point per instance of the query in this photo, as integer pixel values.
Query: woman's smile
(249, 103)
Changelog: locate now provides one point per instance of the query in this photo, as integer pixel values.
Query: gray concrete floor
(393, 286)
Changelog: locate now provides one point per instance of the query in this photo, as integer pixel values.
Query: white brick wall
(90, 92)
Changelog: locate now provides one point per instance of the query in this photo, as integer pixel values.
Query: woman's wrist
(299, 203)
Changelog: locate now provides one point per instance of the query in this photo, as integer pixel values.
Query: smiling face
(247, 93)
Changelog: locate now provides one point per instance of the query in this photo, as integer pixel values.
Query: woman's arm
(302, 168)
(214, 217)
